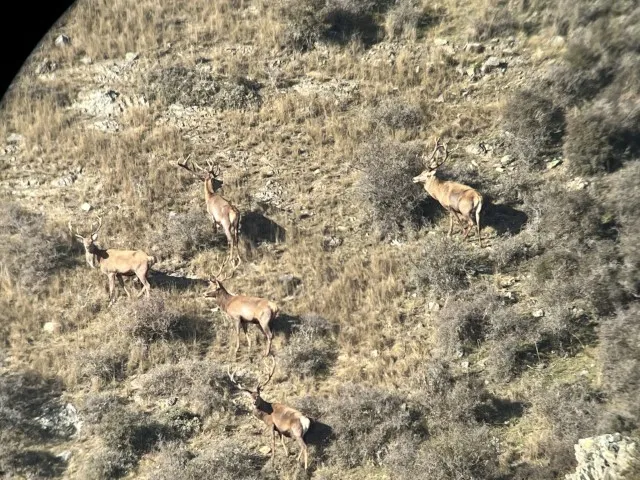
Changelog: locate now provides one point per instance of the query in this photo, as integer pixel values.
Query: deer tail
(478, 207)
(274, 309)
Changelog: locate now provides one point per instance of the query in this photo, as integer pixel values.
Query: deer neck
(263, 409)
(95, 255)
(432, 184)
(208, 189)
(223, 298)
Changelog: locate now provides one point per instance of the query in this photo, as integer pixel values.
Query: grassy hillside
(418, 355)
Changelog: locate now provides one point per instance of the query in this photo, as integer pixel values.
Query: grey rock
(492, 63)
(604, 457)
(553, 164)
(538, 313)
(474, 47)
(506, 160)
(289, 282)
(62, 40)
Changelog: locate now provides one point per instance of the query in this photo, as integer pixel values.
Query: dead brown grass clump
(149, 319)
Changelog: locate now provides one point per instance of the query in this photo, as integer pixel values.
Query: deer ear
(94, 236)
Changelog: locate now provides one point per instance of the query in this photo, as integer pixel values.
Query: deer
(243, 310)
(219, 209)
(115, 263)
(286, 421)
(461, 201)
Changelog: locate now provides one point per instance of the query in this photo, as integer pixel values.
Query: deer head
(88, 242)
(212, 173)
(255, 393)
(430, 165)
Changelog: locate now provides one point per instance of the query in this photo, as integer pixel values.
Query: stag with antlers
(243, 310)
(221, 211)
(285, 420)
(115, 263)
(461, 201)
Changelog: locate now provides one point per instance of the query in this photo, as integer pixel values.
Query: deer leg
(468, 229)
(145, 284)
(112, 287)
(286, 452)
(246, 334)
(121, 282)
(273, 444)
(450, 222)
(266, 331)
(303, 450)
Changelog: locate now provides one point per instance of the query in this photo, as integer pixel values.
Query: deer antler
(99, 226)
(439, 146)
(190, 170)
(261, 385)
(235, 382)
(76, 234)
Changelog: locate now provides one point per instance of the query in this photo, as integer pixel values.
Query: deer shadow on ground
(503, 218)
(318, 437)
(256, 229)
(496, 411)
(285, 324)
(166, 281)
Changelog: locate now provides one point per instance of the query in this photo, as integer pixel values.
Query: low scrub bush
(534, 125)
(312, 348)
(397, 116)
(404, 20)
(28, 254)
(201, 383)
(600, 140)
(386, 183)
(365, 422)
(148, 319)
(226, 460)
(445, 265)
(184, 234)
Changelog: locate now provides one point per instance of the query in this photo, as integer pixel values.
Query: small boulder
(52, 327)
(265, 450)
(85, 207)
(506, 160)
(474, 47)
(493, 63)
(538, 313)
(62, 40)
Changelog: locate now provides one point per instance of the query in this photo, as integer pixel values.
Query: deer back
(123, 261)
(249, 308)
(288, 419)
(449, 194)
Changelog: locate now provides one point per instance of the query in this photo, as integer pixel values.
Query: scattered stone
(577, 183)
(15, 139)
(329, 242)
(433, 306)
(85, 207)
(553, 164)
(603, 457)
(465, 364)
(267, 172)
(64, 456)
(265, 450)
(46, 66)
(500, 169)
(507, 282)
(538, 313)
(52, 327)
(474, 47)
(131, 56)
(492, 63)
(506, 160)
(290, 283)
(86, 60)
(65, 181)
(441, 41)
(558, 41)
(440, 98)
(62, 40)
(471, 71)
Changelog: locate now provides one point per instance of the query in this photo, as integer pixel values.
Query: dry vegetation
(417, 355)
